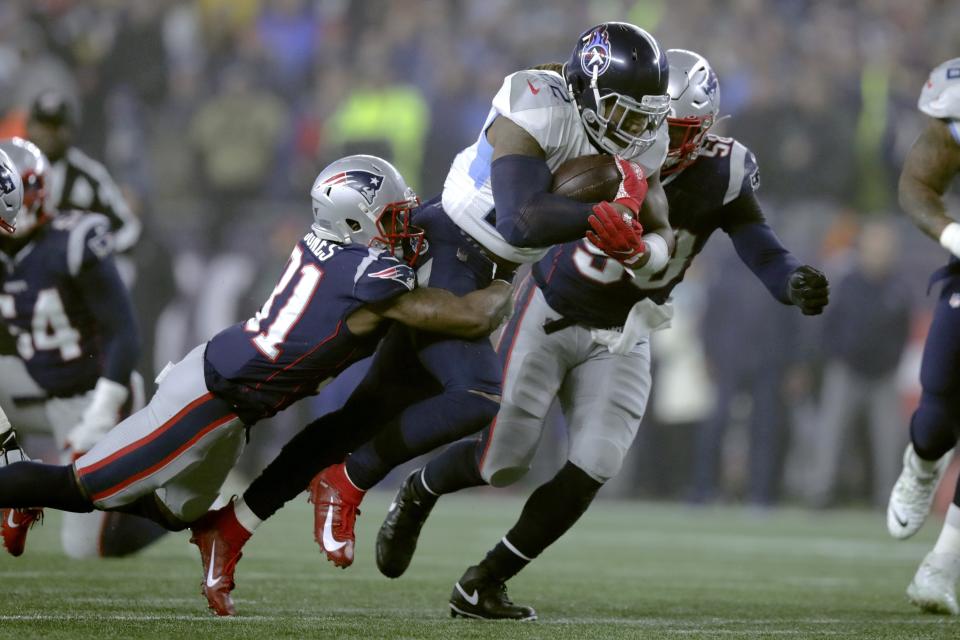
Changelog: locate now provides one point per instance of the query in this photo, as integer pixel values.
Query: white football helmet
(694, 104)
(364, 199)
(31, 167)
(11, 193)
(940, 96)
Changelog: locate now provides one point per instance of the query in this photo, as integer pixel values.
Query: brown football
(587, 179)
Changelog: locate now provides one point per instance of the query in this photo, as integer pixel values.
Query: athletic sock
(246, 518)
(549, 513)
(25, 485)
(949, 540)
(931, 428)
(455, 468)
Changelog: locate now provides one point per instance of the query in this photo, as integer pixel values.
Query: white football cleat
(934, 587)
(912, 494)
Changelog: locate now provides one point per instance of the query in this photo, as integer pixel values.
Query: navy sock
(24, 485)
(455, 468)
(422, 427)
(549, 513)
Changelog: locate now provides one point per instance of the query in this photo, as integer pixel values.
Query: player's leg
(934, 425)
(838, 405)
(534, 366)
(604, 399)
(768, 424)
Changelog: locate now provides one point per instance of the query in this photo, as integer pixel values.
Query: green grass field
(629, 570)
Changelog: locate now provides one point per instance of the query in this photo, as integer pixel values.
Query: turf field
(629, 570)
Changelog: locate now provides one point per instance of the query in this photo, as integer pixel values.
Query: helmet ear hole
(354, 225)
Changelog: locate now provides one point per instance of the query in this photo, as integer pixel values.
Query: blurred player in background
(330, 308)
(64, 303)
(930, 167)
(496, 211)
(580, 335)
(11, 199)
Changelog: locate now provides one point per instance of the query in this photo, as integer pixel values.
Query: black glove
(809, 290)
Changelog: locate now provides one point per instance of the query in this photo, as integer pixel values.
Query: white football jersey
(538, 102)
(940, 96)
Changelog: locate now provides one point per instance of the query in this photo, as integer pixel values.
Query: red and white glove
(617, 235)
(633, 184)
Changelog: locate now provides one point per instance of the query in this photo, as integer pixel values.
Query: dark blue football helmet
(618, 77)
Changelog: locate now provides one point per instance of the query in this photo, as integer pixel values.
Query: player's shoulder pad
(940, 96)
(88, 237)
(380, 276)
(531, 89)
(734, 159)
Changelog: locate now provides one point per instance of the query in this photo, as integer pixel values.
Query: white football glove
(10, 451)
(101, 416)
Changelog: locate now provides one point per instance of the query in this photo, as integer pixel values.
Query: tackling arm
(472, 316)
(929, 168)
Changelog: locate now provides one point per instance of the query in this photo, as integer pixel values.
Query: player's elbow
(516, 233)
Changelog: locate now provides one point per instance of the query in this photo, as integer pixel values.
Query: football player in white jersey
(11, 199)
(931, 165)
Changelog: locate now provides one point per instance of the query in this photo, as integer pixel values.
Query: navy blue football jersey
(299, 337)
(584, 284)
(42, 305)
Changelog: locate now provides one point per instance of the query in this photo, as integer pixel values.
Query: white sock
(949, 540)
(247, 518)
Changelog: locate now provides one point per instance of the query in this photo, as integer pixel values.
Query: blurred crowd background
(215, 115)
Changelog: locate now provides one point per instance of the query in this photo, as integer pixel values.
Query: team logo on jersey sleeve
(363, 182)
(595, 55)
(397, 274)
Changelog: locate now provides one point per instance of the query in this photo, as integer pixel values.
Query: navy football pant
(935, 425)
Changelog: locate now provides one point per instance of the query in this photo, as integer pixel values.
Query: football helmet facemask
(617, 76)
(364, 199)
(694, 104)
(31, 166)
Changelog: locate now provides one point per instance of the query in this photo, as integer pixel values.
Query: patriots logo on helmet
(595, 55)
(363, 182)
(7, 185)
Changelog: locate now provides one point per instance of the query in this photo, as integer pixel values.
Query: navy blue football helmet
(618, 77)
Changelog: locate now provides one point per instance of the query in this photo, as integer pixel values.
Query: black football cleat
(476, 595)
(398, 535)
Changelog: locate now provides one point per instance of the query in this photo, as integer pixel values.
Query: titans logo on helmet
(595, 55)
(363, 182)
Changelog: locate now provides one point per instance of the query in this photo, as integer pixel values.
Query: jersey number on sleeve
(50, 327)
(269, 338)
(594, 265)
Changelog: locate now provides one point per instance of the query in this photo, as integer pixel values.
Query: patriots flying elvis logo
(595, 55)
(363, 182)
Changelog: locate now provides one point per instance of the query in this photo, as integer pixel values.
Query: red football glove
(617, 237)
(633, 184)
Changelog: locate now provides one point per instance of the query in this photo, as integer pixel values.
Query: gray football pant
(603, 396)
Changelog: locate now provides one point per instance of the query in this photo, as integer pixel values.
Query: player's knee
(502, 476)
(599, 458)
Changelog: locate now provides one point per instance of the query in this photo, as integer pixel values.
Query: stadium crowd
(215, 115)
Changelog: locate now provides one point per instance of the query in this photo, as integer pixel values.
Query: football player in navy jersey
(64, 303)
(340, 289)
(580, 334)
(930, 167)
(496, 211)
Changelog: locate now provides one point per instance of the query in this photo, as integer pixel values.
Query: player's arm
(930, 166)
(474, 315)
(528, 215)
(760, 249)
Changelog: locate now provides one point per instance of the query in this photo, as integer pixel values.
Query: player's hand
(633, 184)
(809, 290)
(619, 238)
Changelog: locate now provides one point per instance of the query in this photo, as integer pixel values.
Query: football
(587, 179)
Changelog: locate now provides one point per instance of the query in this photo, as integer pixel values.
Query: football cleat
(912, 494)
(398, 535)
(16, 524)
(934, 587)
(219, 537)
(476, 595)
(336, 504)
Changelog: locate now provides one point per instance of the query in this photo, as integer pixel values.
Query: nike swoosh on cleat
(11, 522)
(211, 583)
(329, 542)
(900, 521)
(472, 599)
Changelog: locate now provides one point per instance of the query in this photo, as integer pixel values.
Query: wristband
(656, 246)
(950, 238)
